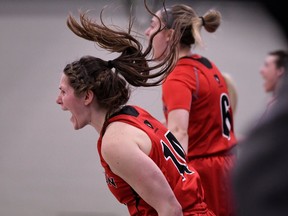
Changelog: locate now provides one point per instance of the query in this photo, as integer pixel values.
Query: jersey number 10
(173, 149)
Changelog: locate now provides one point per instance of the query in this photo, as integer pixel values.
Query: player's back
(169, 156)
(210, 118)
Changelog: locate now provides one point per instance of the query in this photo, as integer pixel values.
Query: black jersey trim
(137, 199)
(126, 110)
(202, 60)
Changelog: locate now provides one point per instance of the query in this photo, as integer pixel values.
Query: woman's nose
(59, 100)
(147, 31)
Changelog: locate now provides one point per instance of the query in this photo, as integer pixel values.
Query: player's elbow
(181, 135)
(178, 131)
(171, 207)
(176, 210)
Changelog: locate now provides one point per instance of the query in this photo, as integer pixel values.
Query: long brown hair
(108, 84)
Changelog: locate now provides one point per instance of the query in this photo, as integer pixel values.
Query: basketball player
(144, 164)
(196, 101)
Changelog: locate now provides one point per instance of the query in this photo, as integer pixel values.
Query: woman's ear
(89, 97)
(169, 34)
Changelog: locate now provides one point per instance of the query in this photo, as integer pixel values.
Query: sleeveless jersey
(197, 86)
(168, 155)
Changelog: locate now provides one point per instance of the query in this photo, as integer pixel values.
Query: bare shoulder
(118, 131)
(122, 139)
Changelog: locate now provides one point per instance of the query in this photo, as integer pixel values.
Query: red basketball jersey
(197, 86)
(168, 155)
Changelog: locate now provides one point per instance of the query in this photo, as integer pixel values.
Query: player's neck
(186, 51)
(97, 119)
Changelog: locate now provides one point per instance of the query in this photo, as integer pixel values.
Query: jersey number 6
(226, 116)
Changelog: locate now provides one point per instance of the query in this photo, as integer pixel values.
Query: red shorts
(215, 174)
(207, 213)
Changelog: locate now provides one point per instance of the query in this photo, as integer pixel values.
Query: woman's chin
(159, 58)
(74, 122)
(77, 126)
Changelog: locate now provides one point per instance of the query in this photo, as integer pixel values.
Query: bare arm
(125, 149)
(232, 90)
(163, 121)
(178, 123)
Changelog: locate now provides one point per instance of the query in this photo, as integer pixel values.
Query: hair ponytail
(187, 24)
(212, 20)
(132, 63)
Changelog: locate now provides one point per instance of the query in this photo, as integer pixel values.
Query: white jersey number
(226, 116)
(174, 148)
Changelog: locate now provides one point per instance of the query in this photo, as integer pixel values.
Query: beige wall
(47, 168)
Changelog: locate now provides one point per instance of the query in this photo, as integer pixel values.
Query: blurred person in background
(273, 71)
(260, 178)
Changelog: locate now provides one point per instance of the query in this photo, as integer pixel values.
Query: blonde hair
(188, 24)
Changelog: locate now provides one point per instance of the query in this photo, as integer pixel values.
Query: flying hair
(133, 61)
